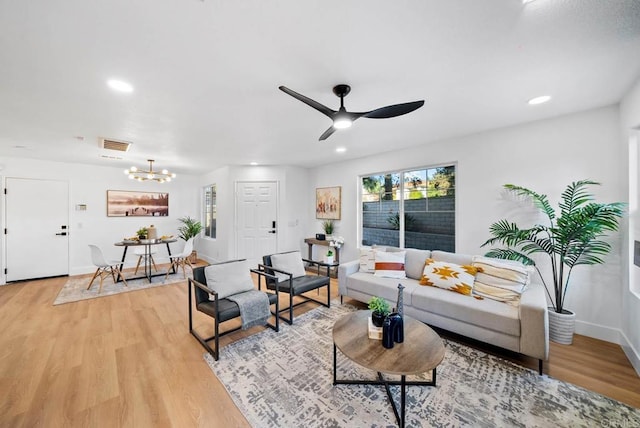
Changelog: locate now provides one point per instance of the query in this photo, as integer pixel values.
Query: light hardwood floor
(129, 360)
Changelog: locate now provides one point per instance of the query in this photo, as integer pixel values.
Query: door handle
(272, 231)
(62, 234)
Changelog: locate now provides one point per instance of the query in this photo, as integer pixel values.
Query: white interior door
(256, 220)
(37, 234)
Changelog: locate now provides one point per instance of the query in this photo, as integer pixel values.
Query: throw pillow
(449, 276)
(288, 262)
(229, 278)
(507, 274)
(496, 293)
(368, 259)
(390, 265)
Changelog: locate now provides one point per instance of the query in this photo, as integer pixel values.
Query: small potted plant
(327, 226)
(380, 308)
(330, 257)
(142, 233)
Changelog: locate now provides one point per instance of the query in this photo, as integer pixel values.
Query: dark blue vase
(392, 330)
(387, 333)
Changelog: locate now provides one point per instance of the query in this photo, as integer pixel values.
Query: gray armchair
(294, 280)
(211, 303)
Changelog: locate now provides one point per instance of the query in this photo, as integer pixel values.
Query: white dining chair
(148, 257)
(104, 267)
(182, 259)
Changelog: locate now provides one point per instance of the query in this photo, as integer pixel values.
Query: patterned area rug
(75, 288)
(285, 380)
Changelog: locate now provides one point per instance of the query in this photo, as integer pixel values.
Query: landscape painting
(328, 203)
(125, 203)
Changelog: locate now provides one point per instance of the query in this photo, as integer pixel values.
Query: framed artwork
(124, 203)
(328, 202)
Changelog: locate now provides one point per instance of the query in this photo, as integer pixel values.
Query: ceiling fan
(342, 118)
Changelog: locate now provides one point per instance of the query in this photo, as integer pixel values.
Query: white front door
(37, 228)
(256, 220)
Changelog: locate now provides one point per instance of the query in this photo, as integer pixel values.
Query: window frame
(213, 206)
(401, 208)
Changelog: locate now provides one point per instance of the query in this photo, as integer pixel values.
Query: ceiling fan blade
(327, 133)
(308, 101)
(393, 110)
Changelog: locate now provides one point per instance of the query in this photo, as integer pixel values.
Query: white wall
(545, 156)
(292, 208)
(630, 125)
(88, 185)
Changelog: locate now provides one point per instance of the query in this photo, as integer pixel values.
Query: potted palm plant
(190, 228)
(570, 239)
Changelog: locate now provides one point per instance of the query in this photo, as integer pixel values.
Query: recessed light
(253, 163)
(341, 149)
(119, 85)
(539, 100)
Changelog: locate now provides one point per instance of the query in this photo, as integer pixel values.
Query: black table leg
(334, 365)
(173, 267)
(403, 395)
(124, 255)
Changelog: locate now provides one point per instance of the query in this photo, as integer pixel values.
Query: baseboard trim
(597, 331)
(632, 354)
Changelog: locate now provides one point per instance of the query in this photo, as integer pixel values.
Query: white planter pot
(329, 260)
(561, 326)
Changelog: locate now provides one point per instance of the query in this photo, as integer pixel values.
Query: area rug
(75, 288)
(285, 380)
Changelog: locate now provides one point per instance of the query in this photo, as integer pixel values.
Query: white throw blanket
(254, 307)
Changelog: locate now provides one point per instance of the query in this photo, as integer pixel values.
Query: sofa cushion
(485, 313)
(444, 256)
(414, 262)
(386, 288)
(390, 265)
(449, 276)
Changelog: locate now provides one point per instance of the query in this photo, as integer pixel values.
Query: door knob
(62, 234)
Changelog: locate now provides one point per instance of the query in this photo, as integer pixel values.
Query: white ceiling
(206, 74)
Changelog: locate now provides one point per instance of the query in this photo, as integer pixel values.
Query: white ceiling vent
(119, 146)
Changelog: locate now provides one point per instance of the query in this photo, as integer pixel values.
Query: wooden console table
(313, 241)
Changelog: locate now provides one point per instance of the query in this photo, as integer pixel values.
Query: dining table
(146, 243)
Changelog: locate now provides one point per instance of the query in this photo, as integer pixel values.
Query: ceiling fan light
(134, 169)
(131, 176)
(342, 123)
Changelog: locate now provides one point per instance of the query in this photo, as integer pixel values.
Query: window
(210, 211)
(410, 209)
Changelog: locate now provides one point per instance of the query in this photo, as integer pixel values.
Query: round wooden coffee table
(421, 351)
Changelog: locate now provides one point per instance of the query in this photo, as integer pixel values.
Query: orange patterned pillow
(449, 276)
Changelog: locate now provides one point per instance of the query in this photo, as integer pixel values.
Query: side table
(313, 241)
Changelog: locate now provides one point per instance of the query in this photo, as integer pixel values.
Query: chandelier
(143, 175)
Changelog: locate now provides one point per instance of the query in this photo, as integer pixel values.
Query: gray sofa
(523, 328)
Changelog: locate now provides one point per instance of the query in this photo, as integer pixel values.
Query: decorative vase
(330, 260)
(392, 330)
(377, 319)
(561, 326)
(400, 309)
